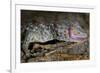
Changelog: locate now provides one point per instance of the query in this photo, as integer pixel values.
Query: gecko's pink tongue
(75, 36)
(78, 36)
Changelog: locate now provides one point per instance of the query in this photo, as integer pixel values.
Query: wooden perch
(68, 47)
